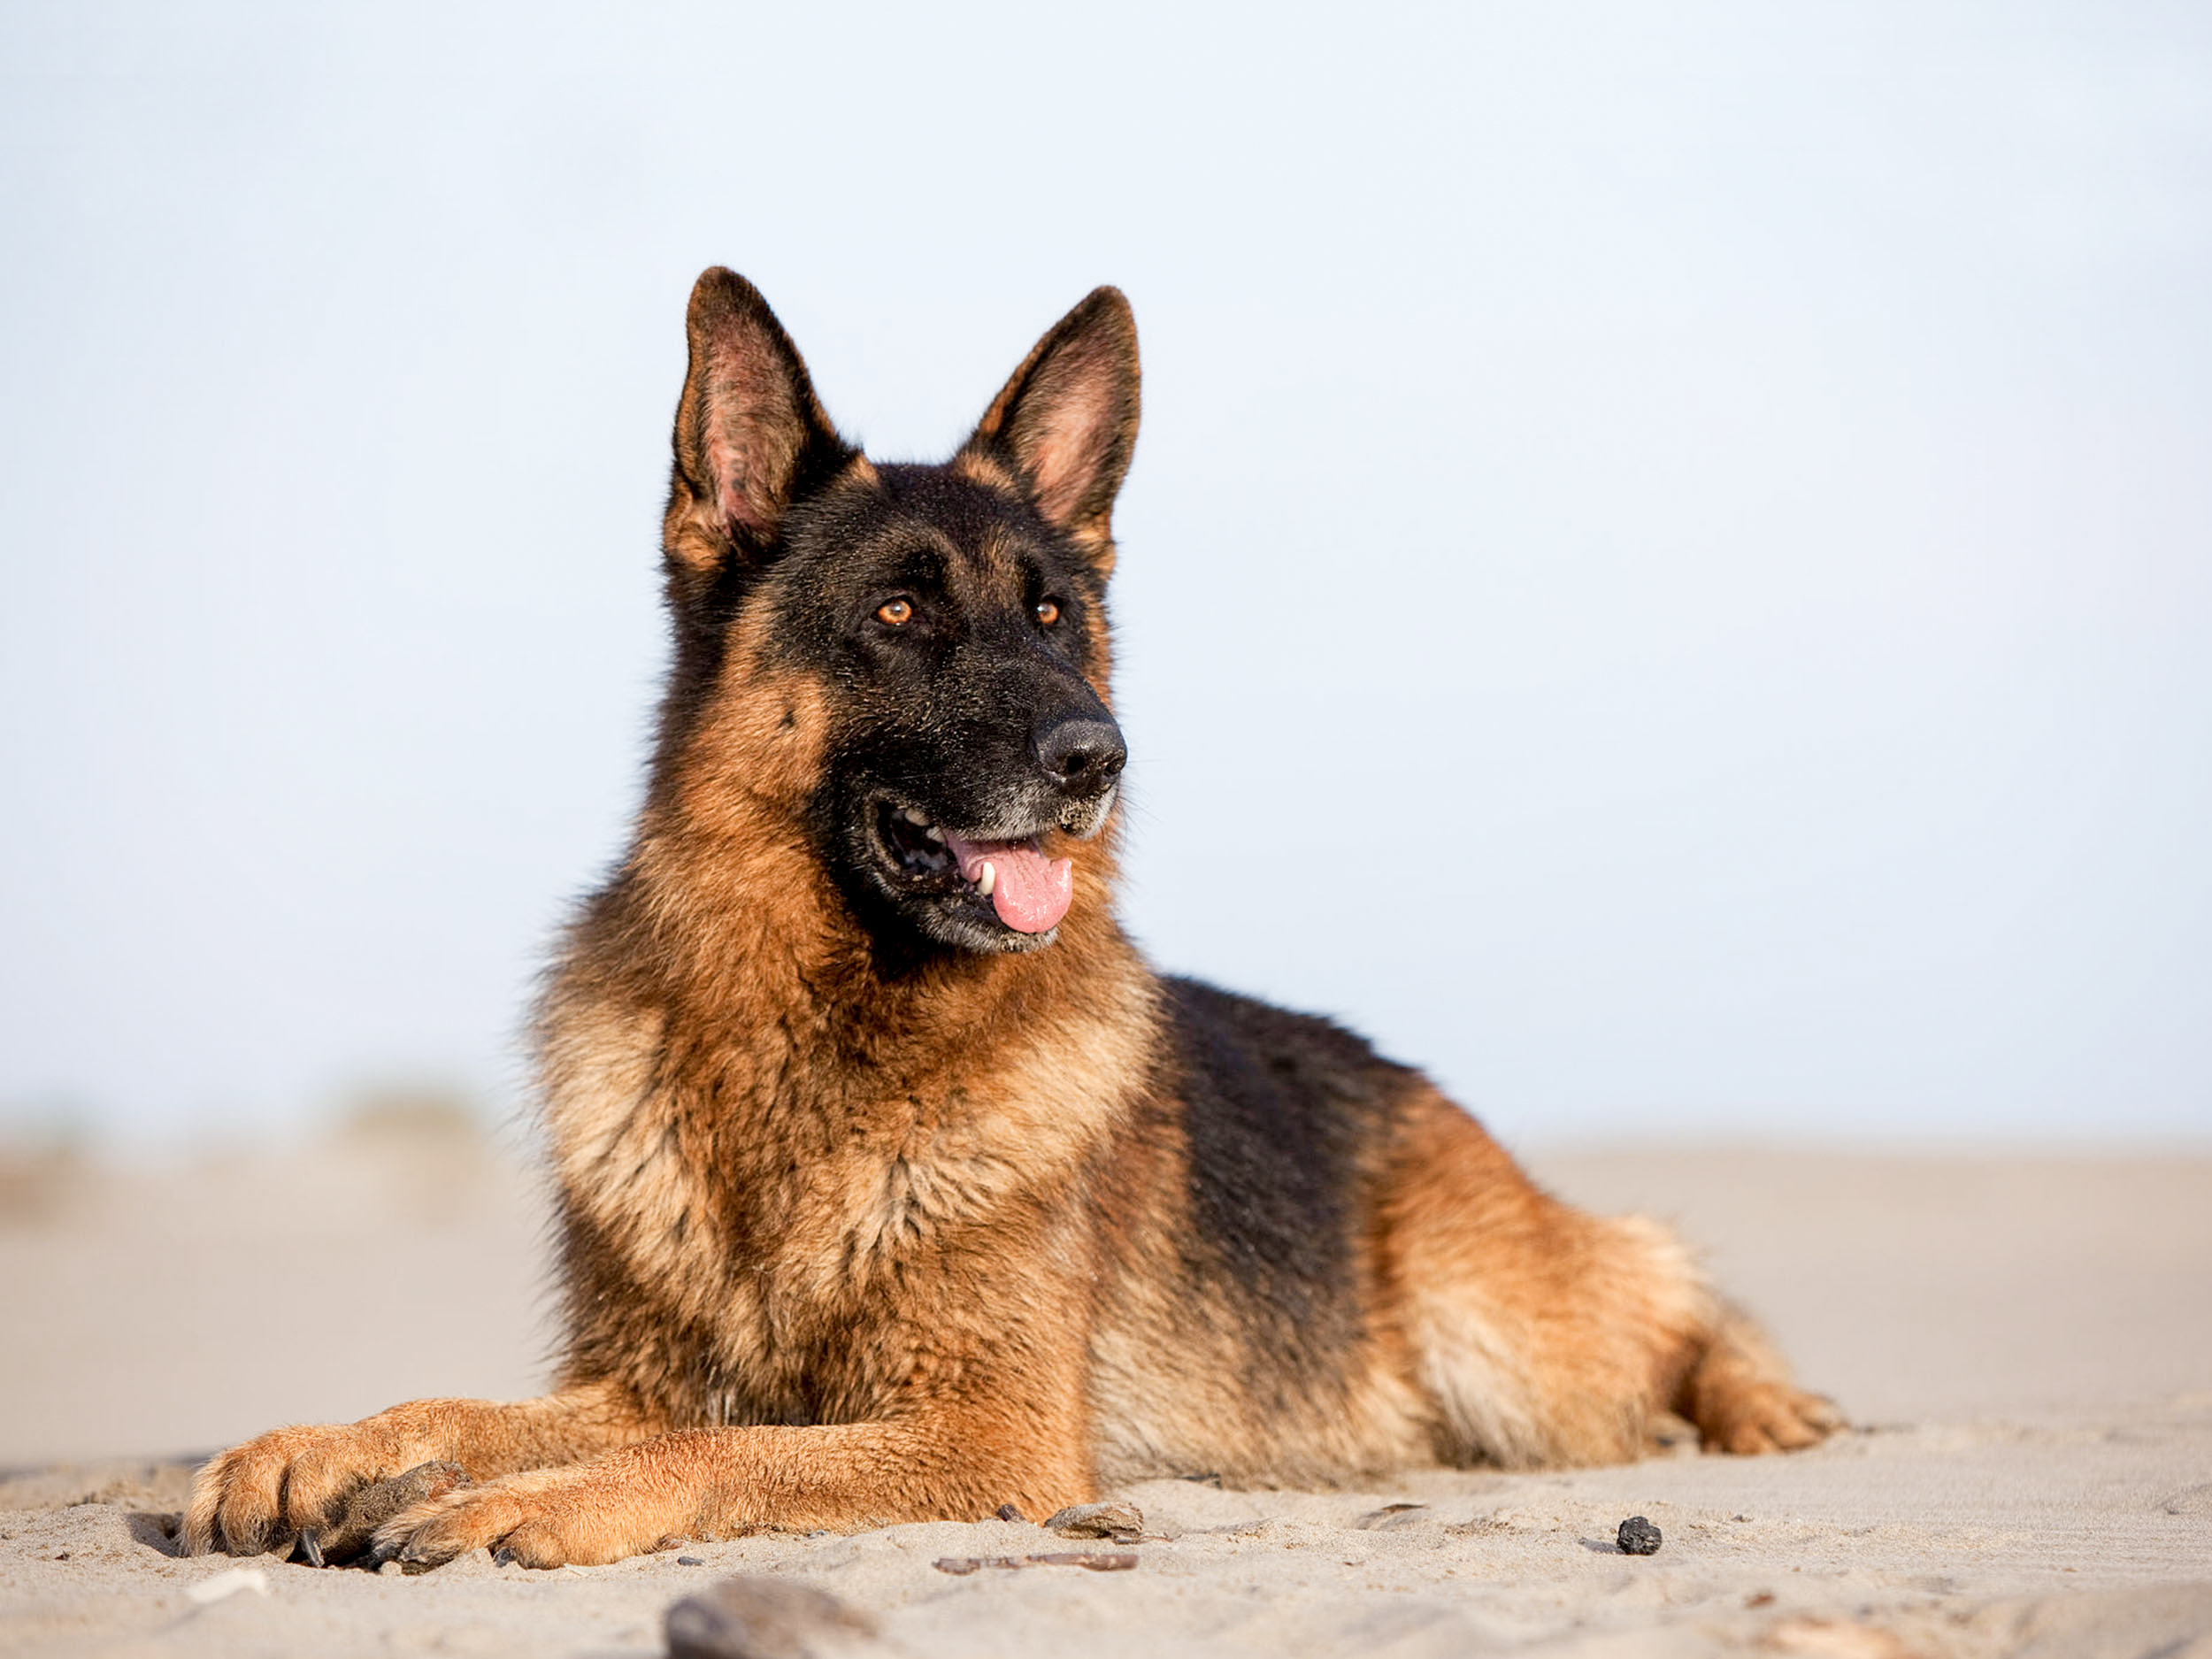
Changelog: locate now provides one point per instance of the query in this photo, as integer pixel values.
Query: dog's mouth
(1011, 878)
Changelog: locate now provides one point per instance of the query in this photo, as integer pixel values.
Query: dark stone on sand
(690, 1560)
(1638, 1537)
(755, 1616)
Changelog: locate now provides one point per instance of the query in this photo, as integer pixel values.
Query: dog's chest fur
(771, 1212)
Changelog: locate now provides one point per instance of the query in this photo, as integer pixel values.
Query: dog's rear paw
(1752, 1417)
(261, 1495)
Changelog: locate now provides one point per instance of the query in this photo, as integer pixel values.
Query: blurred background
(1668, 575)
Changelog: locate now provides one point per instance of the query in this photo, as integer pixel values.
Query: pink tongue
(1032, 891)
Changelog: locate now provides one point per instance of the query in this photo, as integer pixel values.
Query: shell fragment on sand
(1118, 1523)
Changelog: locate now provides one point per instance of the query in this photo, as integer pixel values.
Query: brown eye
(894, 612)
(1048, 611)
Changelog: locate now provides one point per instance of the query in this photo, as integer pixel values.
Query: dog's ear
(1067, 420)
(750, 434)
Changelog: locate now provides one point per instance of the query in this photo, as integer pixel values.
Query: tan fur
(979, 468)
(843, 1247)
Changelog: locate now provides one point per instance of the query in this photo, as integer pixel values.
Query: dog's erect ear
(750, 434)
(1067, 420)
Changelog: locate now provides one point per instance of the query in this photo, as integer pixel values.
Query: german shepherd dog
(892, 1185)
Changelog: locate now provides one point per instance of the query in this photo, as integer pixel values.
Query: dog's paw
(581, 1516)
(1765, 1416)
(259, 1496)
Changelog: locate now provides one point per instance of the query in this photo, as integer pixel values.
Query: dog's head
(912, 660)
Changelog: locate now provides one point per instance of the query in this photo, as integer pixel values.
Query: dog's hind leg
(1739, 1394)
(260, 1495)
(1544, 1335)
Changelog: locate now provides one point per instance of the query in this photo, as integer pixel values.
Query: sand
(2025, 1343)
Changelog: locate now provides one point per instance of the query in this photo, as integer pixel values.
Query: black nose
(1082, 754)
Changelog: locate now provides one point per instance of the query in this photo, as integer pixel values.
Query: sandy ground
(2027, 1343)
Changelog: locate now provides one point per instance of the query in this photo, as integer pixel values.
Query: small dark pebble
(690, 1560)
(1638, 1537)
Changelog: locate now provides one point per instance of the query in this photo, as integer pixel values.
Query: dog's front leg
(720, 1483)
(261, 1495)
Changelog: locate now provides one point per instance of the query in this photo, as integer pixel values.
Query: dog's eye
(1048, 611)
(895, 612)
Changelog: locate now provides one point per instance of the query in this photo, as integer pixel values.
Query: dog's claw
(415, 1557)
(502, 1557)
(308, 1547)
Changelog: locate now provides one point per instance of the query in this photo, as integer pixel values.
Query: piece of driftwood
(1097, 1561)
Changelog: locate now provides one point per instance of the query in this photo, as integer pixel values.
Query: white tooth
(915, 815)
(933, 833)
(986, 878)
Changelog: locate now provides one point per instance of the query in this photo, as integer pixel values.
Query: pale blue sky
(1668, 577)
